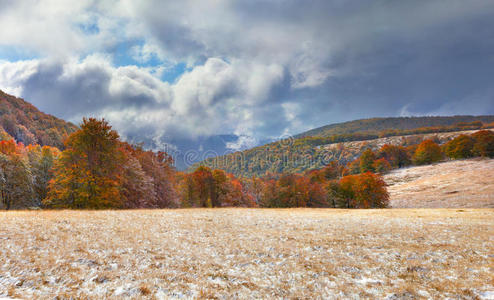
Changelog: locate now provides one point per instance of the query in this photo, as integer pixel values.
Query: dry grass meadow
(248, 253)
(465, 183)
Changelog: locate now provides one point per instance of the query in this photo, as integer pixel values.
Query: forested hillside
(383, 125)
(314, 152)
(26, 124)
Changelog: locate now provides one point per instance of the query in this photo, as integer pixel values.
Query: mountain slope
(308, 152)
(454, 184)
(375, 125)
(26, 124)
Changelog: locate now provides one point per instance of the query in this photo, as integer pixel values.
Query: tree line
(388, 157)
(97, 170)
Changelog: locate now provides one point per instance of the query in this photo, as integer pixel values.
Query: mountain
(311, 150)
(376, 125)
(25, 123)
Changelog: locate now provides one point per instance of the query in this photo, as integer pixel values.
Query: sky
(227, 74)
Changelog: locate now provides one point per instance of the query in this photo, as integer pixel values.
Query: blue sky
(181, 74)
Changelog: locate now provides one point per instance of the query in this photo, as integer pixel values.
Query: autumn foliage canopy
(97, 170)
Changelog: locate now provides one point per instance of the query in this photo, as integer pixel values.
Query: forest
(26, 124)
(97, 170)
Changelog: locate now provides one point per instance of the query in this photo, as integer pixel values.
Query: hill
(454, 184)
(377, 125)
(348, 151)
(25, 123)
(313, 152)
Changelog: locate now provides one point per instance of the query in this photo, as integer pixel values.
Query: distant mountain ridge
(391, 123)
(308, 150)
(28, 125)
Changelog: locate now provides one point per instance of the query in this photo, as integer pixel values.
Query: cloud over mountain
(169, 71)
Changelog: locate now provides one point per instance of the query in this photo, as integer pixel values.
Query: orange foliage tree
(88, 173)
(484, 143)
(427, 152)
(459, 147)
(16, 180)
(366, 190)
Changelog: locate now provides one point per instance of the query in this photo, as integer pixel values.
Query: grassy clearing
(255, 253)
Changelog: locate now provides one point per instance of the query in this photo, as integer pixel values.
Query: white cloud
(255, 68)
(14, 74)
(243, 142)
(208, 100)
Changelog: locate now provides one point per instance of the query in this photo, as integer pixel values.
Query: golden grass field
(248, 253)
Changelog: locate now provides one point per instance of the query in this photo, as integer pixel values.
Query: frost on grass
(254, 253)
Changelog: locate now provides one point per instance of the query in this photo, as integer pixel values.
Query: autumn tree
(427, 152)
(240, 194)
(137, 186)
(381, 166)
(332, 170)
(460, 147)
(315, 176)
(366, 190)
(255, 187)
(4, 136)
(397, 156)
(41, 161)
(88, 172)
(484, 143)
(370, 191)
(16, 181)
(222, 193)
(334, 194)
(187, 191)
(318, 195)
(367, 161)
(203, 181)
(353, 167)
(159, 167)
(293, 190)
(345, 191)
(270, 193)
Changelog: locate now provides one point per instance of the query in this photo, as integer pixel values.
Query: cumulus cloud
(217, 97)
(14, 74)
(255, 69)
